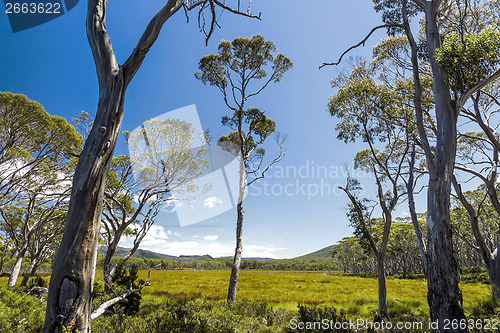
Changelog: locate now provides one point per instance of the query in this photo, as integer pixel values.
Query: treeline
(355, 257)
(226, 263)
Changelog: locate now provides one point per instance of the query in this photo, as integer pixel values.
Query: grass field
(357, 296)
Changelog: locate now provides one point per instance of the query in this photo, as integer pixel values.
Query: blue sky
(53, 65)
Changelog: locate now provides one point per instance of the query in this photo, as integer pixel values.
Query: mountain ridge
(319, 255)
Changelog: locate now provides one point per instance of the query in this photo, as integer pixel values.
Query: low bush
(474, 275)
(37, 281)
(313, 319)
(20, 313)
(202, 316)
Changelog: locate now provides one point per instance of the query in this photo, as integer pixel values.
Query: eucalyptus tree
(44, 242)
(35, 209)
(373, 104)
(239, 72)
(484, 220)
(402, 250)
(441, 18)
(31, 140)
(138, 187)
(70, 288)
(477, 158)
(351, 255)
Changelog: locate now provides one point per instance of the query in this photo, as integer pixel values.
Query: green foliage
(469, 59)
(392, 13)
(238, 66)
(311, 314)
(474, 275)
(20, 313)
(37, 281)
(196, 316)
(244, 57)
(69, 329)
(298, 264)
(128, 279)
(28, 131)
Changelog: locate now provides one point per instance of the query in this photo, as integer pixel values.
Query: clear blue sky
(53, 65)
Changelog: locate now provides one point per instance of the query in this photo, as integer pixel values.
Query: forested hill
(121, 251)
(323, 254)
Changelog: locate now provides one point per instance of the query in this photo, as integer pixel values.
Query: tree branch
(148, 38)
(362, 43)
(478, 86)
(122, 298)
(99, 41)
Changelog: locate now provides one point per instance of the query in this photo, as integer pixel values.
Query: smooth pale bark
(413, 212)
(235, 269)
(14, 274)
(493, 267)
(444, 295)
(30, 271)
(490, 258)
(108, 267)
(116, 232)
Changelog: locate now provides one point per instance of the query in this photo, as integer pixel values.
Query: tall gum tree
(70, 288)
(30, 140)
(236, 71)
(368, 111)
(444, 296)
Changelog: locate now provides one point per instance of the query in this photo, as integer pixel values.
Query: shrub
(37, 281)
(186, 316)
(20, 313)
(312, 314)
(474, 275)
(125, 279)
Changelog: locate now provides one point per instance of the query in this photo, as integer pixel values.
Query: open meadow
(267, 301)
(357, 296)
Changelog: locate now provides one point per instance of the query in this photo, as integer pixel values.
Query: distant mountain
(320, 255)
(251, 258)
(121, 251)
(323, 254)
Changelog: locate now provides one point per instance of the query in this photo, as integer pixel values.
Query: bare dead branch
(362, 43)
(122, 298)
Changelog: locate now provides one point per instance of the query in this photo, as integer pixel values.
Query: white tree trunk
(235, 270)
(14, 274)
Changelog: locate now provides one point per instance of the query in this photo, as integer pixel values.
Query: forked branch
(362, 43)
